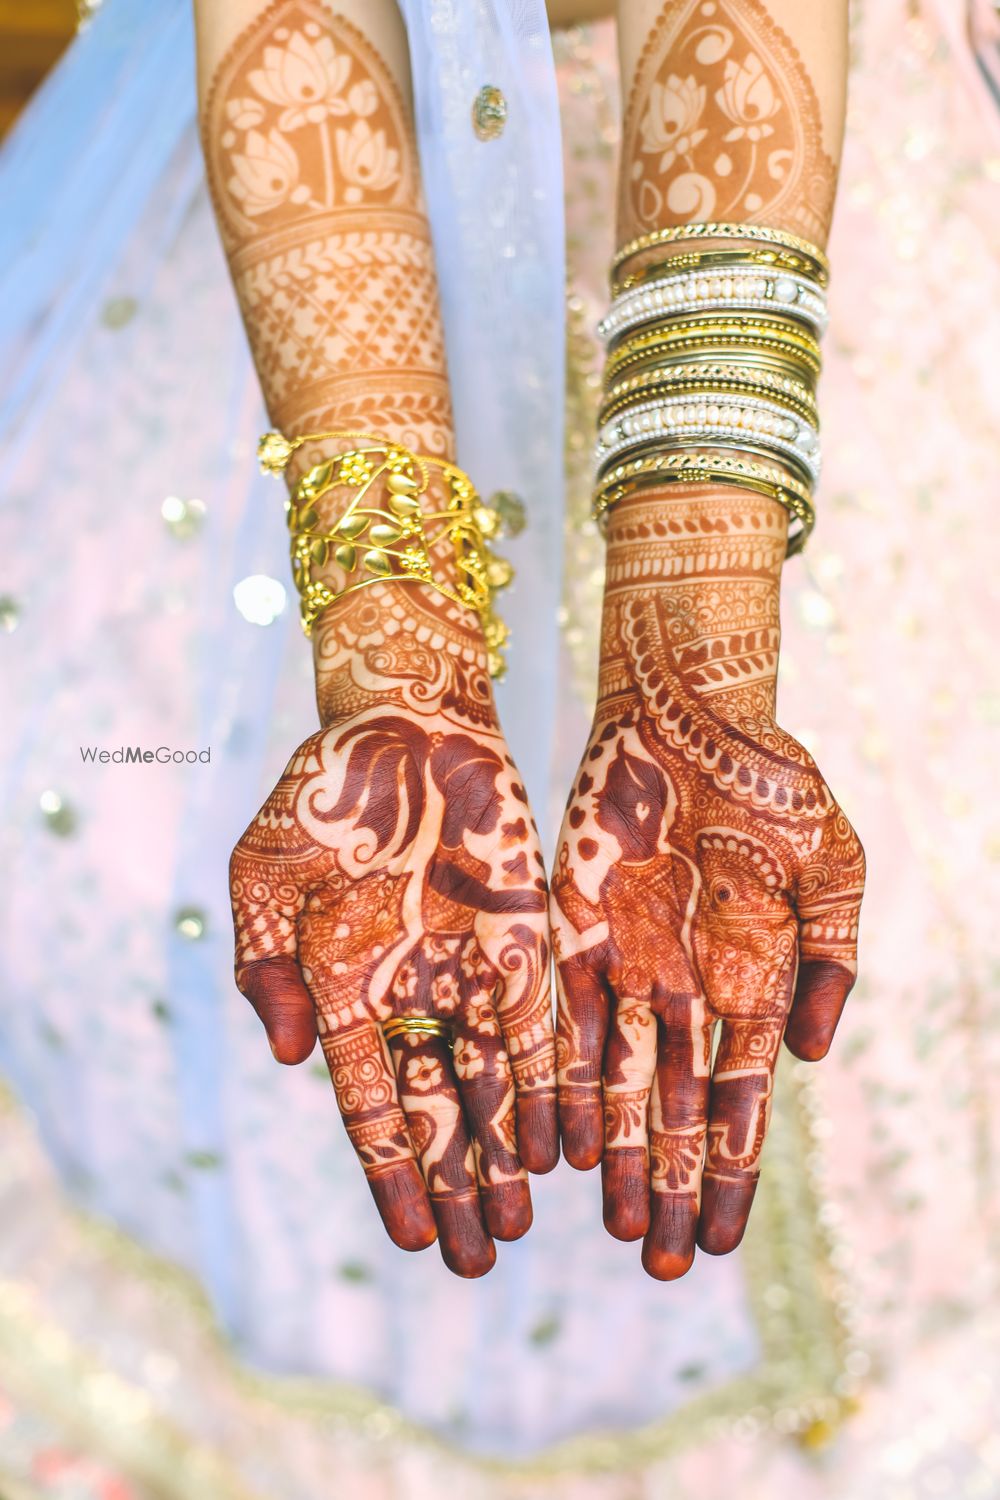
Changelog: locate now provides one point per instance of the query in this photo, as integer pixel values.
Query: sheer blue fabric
(496, 209)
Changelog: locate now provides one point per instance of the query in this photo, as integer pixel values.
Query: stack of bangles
(408, 518)
(712, 361)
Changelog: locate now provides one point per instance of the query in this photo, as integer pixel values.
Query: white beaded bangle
(692, 292)
(762, 421)
(708, 409)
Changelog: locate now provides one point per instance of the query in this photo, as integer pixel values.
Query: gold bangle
(694, 441)
(393, 540)
(721, 340)
(776, 260)
(623, 396)
(714, 468)
(714, 364)
(703, 326)
(653, 467)
(755, 233)
(417, 1026)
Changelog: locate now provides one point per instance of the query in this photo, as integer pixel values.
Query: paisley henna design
(723, 123)
(706, 881)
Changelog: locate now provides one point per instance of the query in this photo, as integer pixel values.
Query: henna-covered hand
(705, 874)
(395, 870)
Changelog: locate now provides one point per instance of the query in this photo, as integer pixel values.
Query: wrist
(702, 536)
(390, 547)
(401, 643)
(693, 580)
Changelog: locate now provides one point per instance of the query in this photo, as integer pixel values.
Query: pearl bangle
(732, 389)
(745, 290)
(713, 351)
(764, 422)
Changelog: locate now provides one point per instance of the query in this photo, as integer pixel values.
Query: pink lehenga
(856, 1323)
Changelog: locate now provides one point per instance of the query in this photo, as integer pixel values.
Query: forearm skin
(315, 178)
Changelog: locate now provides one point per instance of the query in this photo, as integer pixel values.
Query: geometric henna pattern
(395, 869)
(723, 123)
(705, 880)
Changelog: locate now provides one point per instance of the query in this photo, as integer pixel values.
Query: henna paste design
(723, 123)
(313, 170)
(395, 870)
(705, 881)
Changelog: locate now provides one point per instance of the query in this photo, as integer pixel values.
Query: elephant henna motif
(706, 888)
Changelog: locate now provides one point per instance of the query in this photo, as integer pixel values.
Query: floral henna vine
(706, 882)
(723, 122)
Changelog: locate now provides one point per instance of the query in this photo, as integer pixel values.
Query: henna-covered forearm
(706, 882)
(315, 178)
(313, 167)
(734, 112)
(394, 871)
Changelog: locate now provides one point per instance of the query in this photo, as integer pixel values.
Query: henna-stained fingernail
(507, 1209)
(275, 989)
(537, 1131)
(582, 1129)
(401, 1198)
(625, 1186)
(466, 1248)
(820, 995)
(725, 1208)
(668, 1249)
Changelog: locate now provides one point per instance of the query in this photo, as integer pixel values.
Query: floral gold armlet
(391, 528)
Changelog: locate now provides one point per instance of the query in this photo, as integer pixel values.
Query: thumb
(277, 992)
(821, 992)
(828, 904)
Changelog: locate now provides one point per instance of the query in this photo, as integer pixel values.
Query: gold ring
(416, 1026)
